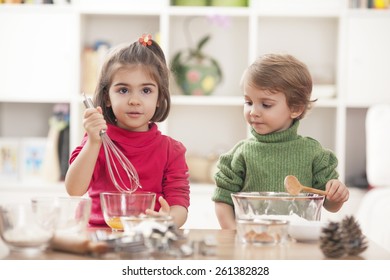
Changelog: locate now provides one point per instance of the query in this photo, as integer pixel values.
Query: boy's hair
(282, 73)
(152, 58)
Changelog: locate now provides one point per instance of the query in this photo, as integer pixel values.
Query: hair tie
(145, 39)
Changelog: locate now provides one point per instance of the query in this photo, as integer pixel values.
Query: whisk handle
(88, 102)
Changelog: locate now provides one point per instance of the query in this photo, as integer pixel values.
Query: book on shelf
(9, 159)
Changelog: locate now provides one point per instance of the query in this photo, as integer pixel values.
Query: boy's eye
(265, 105)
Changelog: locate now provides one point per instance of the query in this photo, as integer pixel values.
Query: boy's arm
(225, 215)
(338, 193)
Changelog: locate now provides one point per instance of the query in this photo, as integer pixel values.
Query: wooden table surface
(227, 248)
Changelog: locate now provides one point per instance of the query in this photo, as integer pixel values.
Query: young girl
(277, 91)
(131, 96)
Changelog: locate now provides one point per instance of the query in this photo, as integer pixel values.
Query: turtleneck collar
(133, 138)
(281, 136)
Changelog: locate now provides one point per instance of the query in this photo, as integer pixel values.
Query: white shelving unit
(346, 50)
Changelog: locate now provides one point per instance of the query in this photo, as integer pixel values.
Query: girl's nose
(133, 99)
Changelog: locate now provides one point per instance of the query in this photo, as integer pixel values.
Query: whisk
(115, 157)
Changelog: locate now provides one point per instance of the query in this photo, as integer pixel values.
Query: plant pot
(198, 79)
(190, 2)
(231, 3)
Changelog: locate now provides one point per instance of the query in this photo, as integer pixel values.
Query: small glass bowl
(159, 222)
(26, 227)
(116, 205)
(262, 232)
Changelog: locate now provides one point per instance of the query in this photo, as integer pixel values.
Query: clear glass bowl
(263, 232)
(259, 205)
(264, 217)
(116, 205)
(74, 213)
(25, 227)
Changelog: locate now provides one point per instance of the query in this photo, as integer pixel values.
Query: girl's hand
(337, 191)
(93, 123)
(164, 210)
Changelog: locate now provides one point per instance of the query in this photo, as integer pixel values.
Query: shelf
(298, 8)
(325, 34)
(209, 11)
(324, 93)
(207, 100)
(34, 186)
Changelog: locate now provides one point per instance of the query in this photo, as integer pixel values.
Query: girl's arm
(81, 169)
(177, 212)
(225, 215)
(179, 215)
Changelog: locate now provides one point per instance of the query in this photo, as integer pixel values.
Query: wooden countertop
(227, 248)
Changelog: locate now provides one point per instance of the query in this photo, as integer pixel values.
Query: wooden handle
(77, 245)
(313, 190)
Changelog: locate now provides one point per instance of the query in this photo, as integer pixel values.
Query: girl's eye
(248, 102)
(123, 90)
(146, 90)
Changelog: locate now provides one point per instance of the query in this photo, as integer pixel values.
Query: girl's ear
(108, 102)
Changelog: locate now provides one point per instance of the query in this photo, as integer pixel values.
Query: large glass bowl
(263, 217)
(252, 205)
(116, 205)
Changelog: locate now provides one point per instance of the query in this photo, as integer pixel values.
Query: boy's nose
(254, 112)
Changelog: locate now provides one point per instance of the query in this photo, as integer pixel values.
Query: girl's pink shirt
(158, 159)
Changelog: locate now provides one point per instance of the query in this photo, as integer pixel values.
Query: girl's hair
(282, 73)
(152, 58)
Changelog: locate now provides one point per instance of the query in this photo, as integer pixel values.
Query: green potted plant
(195, 72)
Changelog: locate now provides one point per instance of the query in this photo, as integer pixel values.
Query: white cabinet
(368, 63)
(346, 51)
(37, 54)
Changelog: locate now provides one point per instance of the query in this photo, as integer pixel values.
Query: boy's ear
(296, 112)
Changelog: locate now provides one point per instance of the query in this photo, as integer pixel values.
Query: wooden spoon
(294, 187)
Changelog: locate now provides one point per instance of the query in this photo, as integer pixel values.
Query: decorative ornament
(338, 239)
(354, 241)
(196, 72)
(145, 39)
(331, 241)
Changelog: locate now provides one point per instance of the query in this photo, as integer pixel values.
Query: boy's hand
(337, 191)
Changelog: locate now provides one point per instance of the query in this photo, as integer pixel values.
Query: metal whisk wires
(115, 158)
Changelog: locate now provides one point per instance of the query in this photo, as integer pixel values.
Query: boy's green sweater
(260, 164)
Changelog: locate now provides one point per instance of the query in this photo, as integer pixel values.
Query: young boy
(277, 91)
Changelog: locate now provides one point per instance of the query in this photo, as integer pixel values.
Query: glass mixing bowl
(263, 217)
(250, 205)
(116, 205)
(25, 227)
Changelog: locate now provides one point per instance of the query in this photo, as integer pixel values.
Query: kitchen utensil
(73, 216)
(124, 204)
(115, 157)
(262, 231)
(294, 187)
(27, 227)
(305, 231)
(277, 205)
